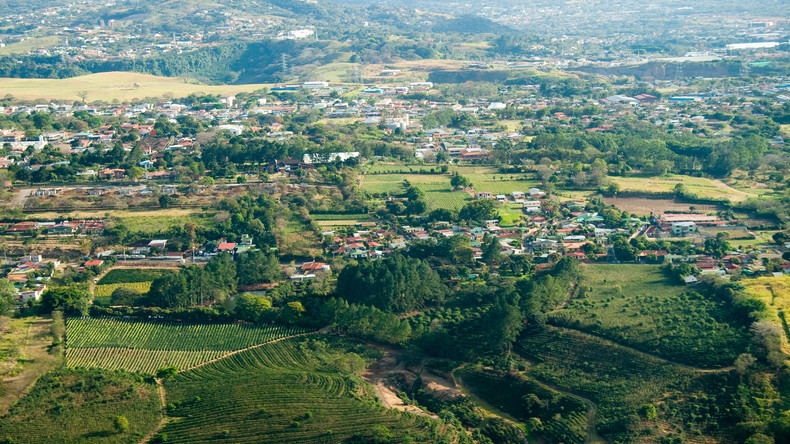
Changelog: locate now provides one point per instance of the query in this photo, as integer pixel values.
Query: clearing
(646, 206)
(639, 306)
(25, 357)
(697, 185)
(109, 86)
(775, 292)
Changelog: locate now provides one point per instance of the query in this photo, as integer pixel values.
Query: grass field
(107, 289)
(24, 357)
(144, 347)
(288, 392)
(30, 45)
(146, 221)
(775, 292)
(639, 306)
(697, 185)
(79, 406)
(130, 276)
(111, 86)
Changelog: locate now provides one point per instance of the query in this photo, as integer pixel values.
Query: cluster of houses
(66, 227)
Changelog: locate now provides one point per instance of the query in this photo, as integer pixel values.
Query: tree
(292, 312)
(121, 424)
(7, 292)
(478, 211)
(491, 249)
(166, 372)
(83, 95)
(166, 201)
(399, 284)
(648, 411)
(135, 173)
(613, 188)
(459, 181)
(124, 296)
(72, 300)
(253, 308)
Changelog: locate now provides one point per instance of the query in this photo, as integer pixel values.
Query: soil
(383, 374)
(644, 206)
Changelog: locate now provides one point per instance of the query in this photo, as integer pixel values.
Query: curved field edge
(294, 390)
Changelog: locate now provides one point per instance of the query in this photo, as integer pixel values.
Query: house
(158, 243)
(484, 195)
(226, 247)
(93, 263)
(313, 267)
(501, 197)
(112, 173)
(25, 295)
(690, 280)
(683, 229)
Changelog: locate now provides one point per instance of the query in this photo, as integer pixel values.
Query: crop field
(775, 292)
(106, 290)
(439, 196)
(639, 306)
(645, 206)
(111, 86)
(71, 406)
(564, 417)
(282, 393)
(391, 188)
(697, 185)
(143, 346)
(619, 380)
(130, 276)
(331, 217)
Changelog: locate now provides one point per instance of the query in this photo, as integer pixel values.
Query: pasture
(775, 293)
(287, 392)
(109, 86)
(645, 206)
(145, 221)
(698, 185)
(144, 346)
(30, 44)
(639, 306)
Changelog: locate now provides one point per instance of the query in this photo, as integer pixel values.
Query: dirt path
(160, 389)
(378, 372)
(735, 195)
(648, 354)
(491, 410)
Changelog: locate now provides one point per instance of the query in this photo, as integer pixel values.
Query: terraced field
(283, 393)
(141, 346)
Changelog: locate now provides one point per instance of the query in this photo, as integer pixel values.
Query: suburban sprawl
(390, 222)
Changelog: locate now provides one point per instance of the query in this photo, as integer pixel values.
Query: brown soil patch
(387, 368)
(439, 386)
(645, 206)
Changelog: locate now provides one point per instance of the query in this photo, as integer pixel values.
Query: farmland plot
(285, 392)
(145, 346)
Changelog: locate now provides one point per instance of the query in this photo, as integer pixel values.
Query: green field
(30, 45)
(391, 188)
(111, 86)
(144, 347)
(78, 406)
(108, 289)
(639, 306)
(775, 293)
(130, 276)
(288, 392)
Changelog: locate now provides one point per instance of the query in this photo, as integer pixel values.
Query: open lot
(111, 86)
(697, 185)
(640, 306)
(645, 206)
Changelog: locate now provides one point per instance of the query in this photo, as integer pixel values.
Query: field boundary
(249, 348)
